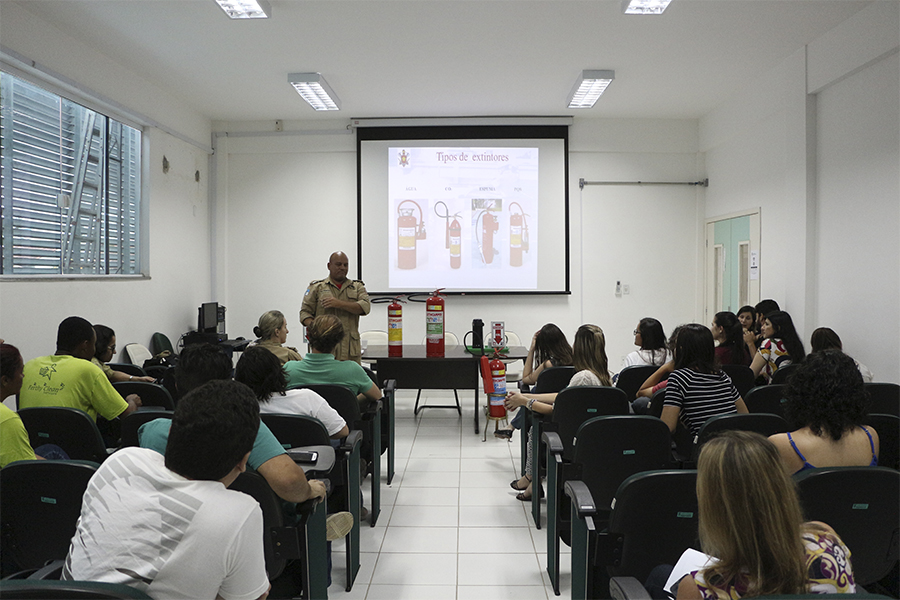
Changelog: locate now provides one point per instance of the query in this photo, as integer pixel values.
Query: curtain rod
(702, 183)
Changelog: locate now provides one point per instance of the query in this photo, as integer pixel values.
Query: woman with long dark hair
(780, 346)
(698, 389)
(651, 341)
(729, 334)
(549, 348)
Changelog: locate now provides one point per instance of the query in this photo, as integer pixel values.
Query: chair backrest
(656, 514)
(553, 379)
(376, 337)
(40, 508)
(888, 429)
(71, 429)
(631, 378)
(860, 504)
(512, 338)
(127, 368)
(51, 589)
(885, 398)
(742, 378)
(137, 353)
(340, 399)
(450, 340)
(256, 487)
(611, 449)
(782, 374)
(766, 399)
(160, 342)
(294, 431)
(762, 423)
(133, 422)
(151, 394)
(656, 403)
(575, 405)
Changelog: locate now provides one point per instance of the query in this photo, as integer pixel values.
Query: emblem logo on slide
(404, 158)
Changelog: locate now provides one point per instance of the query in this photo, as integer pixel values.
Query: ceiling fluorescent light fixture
(313, 88)
(246, 9)
(644, 7)
(589, 87)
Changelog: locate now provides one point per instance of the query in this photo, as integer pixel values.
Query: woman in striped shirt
(698, 389)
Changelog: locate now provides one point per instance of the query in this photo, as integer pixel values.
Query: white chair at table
(375, 337)
(450, 341)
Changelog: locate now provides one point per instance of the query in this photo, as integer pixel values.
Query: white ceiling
(448, 58)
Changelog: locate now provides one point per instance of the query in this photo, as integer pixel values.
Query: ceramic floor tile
(488, 479)
(430, 479)
(493, 516)
(420, 540)
(434, 442)
(424, 516)
(363, 576)
(423, 496)
(486, 497)
(540, 539)
(495, 540)
(501, 592)
(433, 464)
(435, 452)
(486, 464)
(484, 451)
(416, 569)
(498, 569)
(411, 592)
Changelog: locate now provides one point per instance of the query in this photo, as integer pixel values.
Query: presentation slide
(465, 217)
(469, 214)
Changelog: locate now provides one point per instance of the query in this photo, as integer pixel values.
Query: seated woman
(824, 338)
(729, 335)
(104, 350)
(751, 521)
(781, 346)
(827, 402)
(591, 368)
(261, 371)
(747, 316)
(549, 348)
(651, 340)
(272, 332)
(14, 442)
(697, 389)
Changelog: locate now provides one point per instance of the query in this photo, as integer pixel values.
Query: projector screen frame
(465, 132)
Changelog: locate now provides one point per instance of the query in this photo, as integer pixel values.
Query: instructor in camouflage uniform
(344, 298)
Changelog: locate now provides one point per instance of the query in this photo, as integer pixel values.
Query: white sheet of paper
(691, 560)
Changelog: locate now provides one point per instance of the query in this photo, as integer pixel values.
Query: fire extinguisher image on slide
(518, 235)
(409, 231)
(485, 225)
(453, 233)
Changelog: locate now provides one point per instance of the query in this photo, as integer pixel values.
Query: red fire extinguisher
(518, 236)
(409, 231)
(489, 225)
(493, 373)
(434, 325)
(453, 233)
(395, 328)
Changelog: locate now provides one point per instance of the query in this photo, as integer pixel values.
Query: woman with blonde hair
(272, 332)
(751, 522)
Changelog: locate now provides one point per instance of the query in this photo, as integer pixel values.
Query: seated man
(318, 367)
(167, 525)
(201, 363)
(69, 378)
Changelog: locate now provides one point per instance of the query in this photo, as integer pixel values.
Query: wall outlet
(626, 289)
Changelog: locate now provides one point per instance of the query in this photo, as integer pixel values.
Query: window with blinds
(71, 185)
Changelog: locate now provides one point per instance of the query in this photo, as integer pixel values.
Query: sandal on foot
(515, 484)
(521, 496)
(504, 434)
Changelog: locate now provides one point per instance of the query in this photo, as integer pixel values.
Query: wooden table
(457, 369)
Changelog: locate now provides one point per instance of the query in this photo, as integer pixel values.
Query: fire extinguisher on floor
(453, 233)
(434, 325)
(518, 235)
(493, 373)
(395, 328)
(489, 225)
(409, 231)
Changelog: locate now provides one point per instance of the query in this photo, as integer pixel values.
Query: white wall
(814, 143)
(179, 243)
(290, 201)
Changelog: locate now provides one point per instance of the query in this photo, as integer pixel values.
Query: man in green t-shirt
(69, 378)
